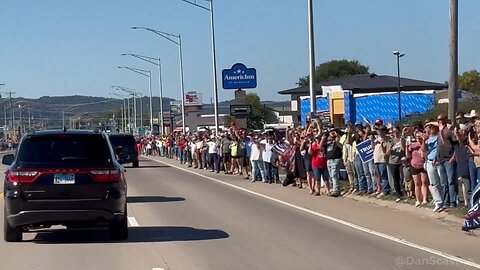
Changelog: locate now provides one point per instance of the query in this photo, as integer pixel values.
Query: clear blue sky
(58, 47)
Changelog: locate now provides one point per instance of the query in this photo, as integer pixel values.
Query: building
(366, 97)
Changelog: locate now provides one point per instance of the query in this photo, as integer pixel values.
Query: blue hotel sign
(239, 77)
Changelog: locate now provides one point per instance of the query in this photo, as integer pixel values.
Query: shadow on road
(153, 199)
(136, 235)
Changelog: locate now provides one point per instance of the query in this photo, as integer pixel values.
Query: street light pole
(146, 73)
(214, 57)
(399, 55)
(178, 42)
(133, 93)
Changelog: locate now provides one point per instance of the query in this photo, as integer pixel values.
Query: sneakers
(398, 200)
(437, 208)
(417, 204)
(379, 196)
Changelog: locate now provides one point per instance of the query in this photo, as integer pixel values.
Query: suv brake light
(25, 177)
(108, 175)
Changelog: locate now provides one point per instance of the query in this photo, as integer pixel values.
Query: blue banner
(365, 150)
(239, 77)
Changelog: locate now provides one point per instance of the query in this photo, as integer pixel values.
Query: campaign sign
(365, 150)
(239, 77)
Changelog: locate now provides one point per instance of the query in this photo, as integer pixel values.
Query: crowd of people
(431, 162)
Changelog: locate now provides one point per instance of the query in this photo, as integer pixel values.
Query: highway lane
(185, 221)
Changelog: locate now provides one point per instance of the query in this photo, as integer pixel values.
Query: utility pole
(311, 47)
(453, 80)
(10, 93)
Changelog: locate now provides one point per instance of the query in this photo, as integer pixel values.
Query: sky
(58, 47)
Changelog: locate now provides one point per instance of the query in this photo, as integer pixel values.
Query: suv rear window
(126, 141)
(70, 150)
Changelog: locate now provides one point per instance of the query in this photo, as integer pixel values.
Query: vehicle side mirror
(8, 159)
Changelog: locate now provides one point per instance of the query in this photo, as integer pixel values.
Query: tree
(260, 114)
(470, 81)
(335, 69)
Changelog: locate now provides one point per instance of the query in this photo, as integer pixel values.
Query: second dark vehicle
(128, 144)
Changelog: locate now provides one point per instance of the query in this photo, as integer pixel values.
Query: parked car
(129, 148)
(69, 178)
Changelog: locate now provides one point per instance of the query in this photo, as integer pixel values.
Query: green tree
(335, 69)
(260, 114)
(470, 81)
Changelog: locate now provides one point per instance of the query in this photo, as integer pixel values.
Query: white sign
(193, 99)
(333, 88)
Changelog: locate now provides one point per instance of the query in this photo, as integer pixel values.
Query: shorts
(319, 173)
(226, 157)
(416, 171)
(308, 164)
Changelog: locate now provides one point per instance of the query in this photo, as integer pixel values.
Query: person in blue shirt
(430, 146)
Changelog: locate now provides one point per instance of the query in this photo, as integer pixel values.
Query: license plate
(64, 179)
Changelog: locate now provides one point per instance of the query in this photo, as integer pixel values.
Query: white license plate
(64, 179)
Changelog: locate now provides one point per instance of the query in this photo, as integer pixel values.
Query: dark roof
(370, 83)
(61, 131)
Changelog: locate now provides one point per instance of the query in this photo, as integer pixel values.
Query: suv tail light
(107, 175)
(24, 177)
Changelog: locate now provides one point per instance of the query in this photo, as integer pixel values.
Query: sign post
(239, 77)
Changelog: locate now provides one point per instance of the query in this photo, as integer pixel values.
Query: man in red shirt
(319, 163)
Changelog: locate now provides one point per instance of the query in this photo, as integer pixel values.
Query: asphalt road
(183, 220)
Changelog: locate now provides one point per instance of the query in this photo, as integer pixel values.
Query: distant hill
(50, 111)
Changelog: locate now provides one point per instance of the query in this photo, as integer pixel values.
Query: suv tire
(119, 228)
(11, 234)
(135, 164)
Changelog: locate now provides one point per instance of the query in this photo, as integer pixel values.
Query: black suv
(128, 144)
(69, 178)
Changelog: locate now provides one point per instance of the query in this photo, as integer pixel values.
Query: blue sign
(239, 77)
(365, 150)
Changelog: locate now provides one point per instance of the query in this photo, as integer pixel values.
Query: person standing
(319, 163)
(256, 159)
(430, 146)
(395, 154)
(447, 163)
(267, 158)
(416, 157)
(348, 160)
(334, 154)
(380, 158)
(226, 152)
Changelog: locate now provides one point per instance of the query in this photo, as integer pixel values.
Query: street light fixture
(133, 93)
(399, 55)
(152, 60)
(176, 39)
(214, 57)
(124, 110)
(146, 73)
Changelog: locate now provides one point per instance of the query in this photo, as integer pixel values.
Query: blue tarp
(380, 106)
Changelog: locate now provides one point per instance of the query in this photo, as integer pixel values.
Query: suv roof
(61, 131)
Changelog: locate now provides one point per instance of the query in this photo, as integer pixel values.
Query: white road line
(336, 220)
(158, 269)
(133, 222)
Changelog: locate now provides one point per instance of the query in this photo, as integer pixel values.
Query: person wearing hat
(447, 162)
(380, 158)
(431, 138)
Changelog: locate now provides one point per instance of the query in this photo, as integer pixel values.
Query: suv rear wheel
(11, 234)
(119, 228)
